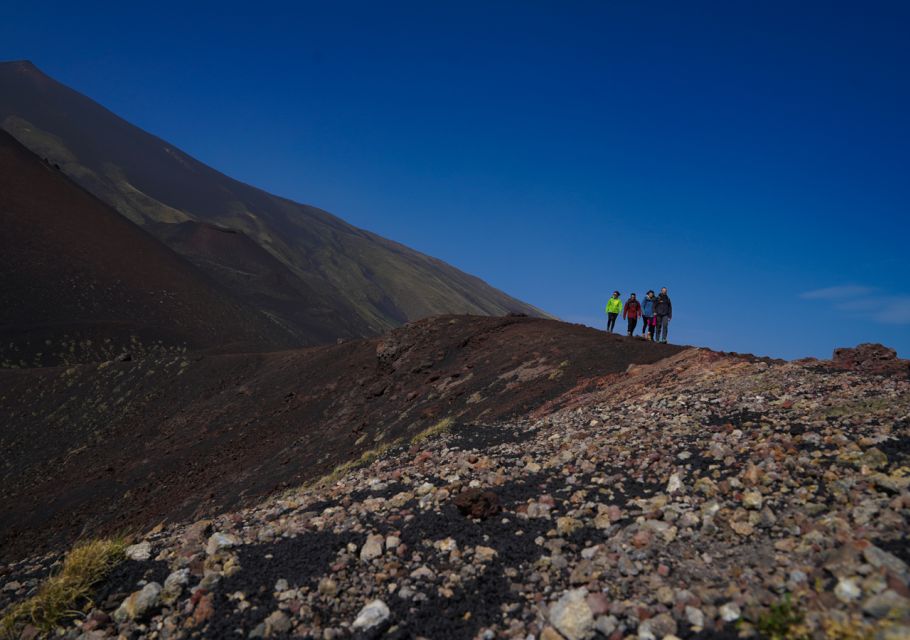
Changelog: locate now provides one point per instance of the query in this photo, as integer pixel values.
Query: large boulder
(871, 358)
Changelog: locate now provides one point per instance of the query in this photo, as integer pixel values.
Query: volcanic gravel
(685, 499)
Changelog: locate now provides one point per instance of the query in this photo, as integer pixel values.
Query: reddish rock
(204, 610)
(641, 539)
(598, 603)
(477, 503)
(871, 358)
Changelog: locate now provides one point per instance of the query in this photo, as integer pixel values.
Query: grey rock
(627, 566)
(220, 541)
(372, 548)
(695, 617)
(880, 558)
(730, 612)
(606, 625)
(209, 580)
(174, 584)
(372, 615)
(572, 616)
(139, 552)
(887, 604)
(847, 590)
(277, 622)
(139, 603)
(658, 627)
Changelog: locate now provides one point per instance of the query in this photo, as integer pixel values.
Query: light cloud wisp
(836, 293)
(869, 301)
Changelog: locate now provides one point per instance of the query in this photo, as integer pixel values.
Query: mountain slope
(106, 448)
(374, 283)
(258, 277)
(80, 282)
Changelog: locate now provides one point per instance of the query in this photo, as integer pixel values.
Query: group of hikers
(655, 311)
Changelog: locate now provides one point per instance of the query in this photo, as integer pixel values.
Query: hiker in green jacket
(614, 308)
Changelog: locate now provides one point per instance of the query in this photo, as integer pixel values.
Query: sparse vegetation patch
(68, 592)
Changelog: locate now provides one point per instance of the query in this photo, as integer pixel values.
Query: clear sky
(750, 156)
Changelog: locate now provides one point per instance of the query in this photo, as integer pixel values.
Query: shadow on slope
(80, 282)
(312, 314)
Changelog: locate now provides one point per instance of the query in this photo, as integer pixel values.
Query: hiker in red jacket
(632, 312)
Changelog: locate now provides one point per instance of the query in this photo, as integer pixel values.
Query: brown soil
(100, 448)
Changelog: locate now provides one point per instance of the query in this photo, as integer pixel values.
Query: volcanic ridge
(642, 491)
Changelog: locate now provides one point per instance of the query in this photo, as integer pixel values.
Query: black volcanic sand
(481, 437)
(122, 446)
(304, 559)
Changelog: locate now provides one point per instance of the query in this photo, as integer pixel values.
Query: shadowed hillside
(79, 282)
(255, 275)
(337, 278)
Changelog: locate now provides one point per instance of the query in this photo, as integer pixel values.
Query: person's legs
(652, 321)
(611, 321)
(645, 321)
(663, 325)
(632, 324)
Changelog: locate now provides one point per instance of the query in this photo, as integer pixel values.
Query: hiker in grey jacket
(663, 312)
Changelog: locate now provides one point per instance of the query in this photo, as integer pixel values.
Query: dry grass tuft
(440, 427)
(62, 594)
(855, 628)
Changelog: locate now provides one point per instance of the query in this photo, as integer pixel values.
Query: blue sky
(750, 156)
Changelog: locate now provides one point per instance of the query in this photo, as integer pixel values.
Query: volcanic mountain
(79, 282)
(309, 271)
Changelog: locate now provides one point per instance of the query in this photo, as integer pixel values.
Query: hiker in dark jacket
(631, 312)
(663, 313)
(647, 315)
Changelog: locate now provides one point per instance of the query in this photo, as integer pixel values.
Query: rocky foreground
(703, 496)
